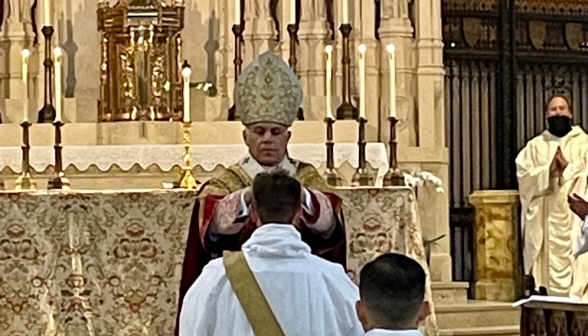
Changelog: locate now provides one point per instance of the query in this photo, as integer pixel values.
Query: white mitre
(268, 90)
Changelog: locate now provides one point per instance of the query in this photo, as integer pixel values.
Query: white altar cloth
(168, 156)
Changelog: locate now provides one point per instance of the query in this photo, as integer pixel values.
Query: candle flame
(25, 53)
(186, 72)
(362, 48)
(329, 49)
(391, 48)
(58, 52)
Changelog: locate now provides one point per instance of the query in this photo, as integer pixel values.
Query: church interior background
(471, 78)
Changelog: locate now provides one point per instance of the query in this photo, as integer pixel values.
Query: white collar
(383, 332)
(276, 240)
(252, 167)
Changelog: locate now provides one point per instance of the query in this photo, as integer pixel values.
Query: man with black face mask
(551, 167)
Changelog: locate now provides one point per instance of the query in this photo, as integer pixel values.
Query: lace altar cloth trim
(109, 263)
(168, 156)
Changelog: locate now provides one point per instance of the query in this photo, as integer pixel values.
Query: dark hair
(392, 289)
(277, 197)
(561, 95)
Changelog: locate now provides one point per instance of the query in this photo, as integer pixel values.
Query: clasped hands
(559, 162)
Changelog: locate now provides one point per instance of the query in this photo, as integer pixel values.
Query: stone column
(366, 35)
(313, 35)
(260, 30)
(428, 145)
(430, 75)
(16, 36)
(496, 259)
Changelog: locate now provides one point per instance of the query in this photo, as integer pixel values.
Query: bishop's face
(267, 142)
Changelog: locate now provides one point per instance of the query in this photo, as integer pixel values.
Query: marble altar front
(109, 263)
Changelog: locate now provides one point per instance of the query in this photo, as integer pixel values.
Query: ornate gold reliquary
(140, 73)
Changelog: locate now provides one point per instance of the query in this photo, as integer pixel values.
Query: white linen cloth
(308, 295)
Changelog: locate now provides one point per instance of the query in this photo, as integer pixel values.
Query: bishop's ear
(424, 311)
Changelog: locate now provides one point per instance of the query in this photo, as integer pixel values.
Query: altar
(109, 262)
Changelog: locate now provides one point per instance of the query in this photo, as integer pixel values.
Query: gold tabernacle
(140, 62)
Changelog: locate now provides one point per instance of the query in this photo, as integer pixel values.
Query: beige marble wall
(497, 266)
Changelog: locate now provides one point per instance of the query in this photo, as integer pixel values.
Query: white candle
(237, 11)
(57, 72)
(25, 53)
(186, 73)
(345, 12)
(329, 51)
(362, 49)
(292, 11)
(392, 64)
(47, 12)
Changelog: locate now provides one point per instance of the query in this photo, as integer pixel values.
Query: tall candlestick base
(187, 180)
(361, 176)
(59, 181)
(394, 176)
(25, 180)
(238, 62)
(346, 110)
(47, 112)
(330, 174)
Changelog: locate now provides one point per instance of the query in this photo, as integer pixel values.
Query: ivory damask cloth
(109, 262)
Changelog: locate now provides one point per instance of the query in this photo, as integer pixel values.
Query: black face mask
(559, 126)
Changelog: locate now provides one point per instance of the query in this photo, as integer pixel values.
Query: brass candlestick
(187, 180)
(330, 174)
(346, 110)
(361, 176)
(59, 181)
(25, 180)
(292, 60)
(394, 176)
(238, 62)
(47, 112)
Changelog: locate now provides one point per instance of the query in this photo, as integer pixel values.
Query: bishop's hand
(578, 206)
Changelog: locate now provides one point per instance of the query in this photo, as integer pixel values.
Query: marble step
(486, 331)
(449, 292)
(476, 314)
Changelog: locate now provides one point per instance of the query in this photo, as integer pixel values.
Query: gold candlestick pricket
(330, 174)
(361, 176)
(394, 176)
(25, 180)
(187, 180)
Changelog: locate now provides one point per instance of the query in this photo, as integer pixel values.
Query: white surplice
(308, 295)
(549, 229)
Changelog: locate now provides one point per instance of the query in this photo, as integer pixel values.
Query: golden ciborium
(140, 75)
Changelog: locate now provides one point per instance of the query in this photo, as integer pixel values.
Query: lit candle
(329, 51)
(237, 11)
(362, 49)
(47, 12)
(345, 12)
(292, 11)
(25, 53)
(57, 72)
(186, 73)
(392, 64)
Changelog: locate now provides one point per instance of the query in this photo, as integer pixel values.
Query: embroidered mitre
(268, 90)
